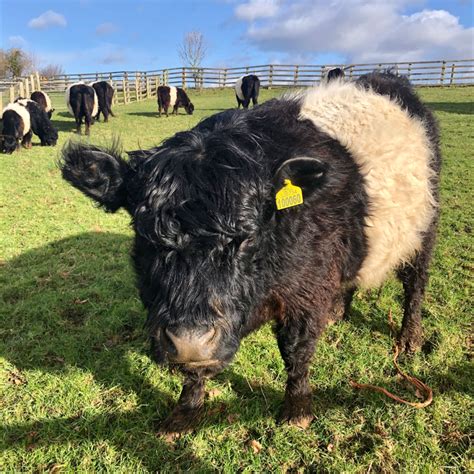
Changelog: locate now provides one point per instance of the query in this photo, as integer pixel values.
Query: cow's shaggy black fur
(212, 251)
(250, 88)
(182, 100)
(81, 100)
(40, 122)
(105, 95)
(44, 101)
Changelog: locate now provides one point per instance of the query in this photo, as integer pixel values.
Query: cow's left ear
(306, 172)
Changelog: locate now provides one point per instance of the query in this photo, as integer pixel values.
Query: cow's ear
(306, 172)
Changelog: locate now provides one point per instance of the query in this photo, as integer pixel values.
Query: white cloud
(113, 57)
(254, 9)
(106, 29)
(47, 19)
(362, 30)
(17, 41)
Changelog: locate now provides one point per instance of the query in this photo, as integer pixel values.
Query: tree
(16, 63)
(52, 70)
(192, 52)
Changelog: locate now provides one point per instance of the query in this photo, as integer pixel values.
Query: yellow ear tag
(288, 196)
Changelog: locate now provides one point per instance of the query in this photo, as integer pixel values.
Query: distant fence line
(132, 86)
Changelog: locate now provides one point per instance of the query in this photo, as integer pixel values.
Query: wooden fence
(132, 86)
(20, 88)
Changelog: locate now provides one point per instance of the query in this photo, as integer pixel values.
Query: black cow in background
(246, 89)
(174, 97)
(82, 103)
(41, 98)
(16, 128)
(335, 73)
(40, 122)
(105, 94)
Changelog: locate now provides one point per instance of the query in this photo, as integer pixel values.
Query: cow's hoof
(410, 341)
(179, 422)
(297, 412)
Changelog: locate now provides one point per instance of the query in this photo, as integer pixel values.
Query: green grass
(79, 393)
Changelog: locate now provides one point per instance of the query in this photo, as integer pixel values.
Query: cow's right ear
(306, 172)
(99, 174)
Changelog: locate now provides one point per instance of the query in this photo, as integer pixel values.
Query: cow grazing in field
(105, 94)
(246, 89)
(335, 73)
(44, 101)
(174, 97)
(82, 102)
(215, 258)
(40, 122)
(16, 128)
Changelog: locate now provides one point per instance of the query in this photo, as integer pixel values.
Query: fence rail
(132, 86)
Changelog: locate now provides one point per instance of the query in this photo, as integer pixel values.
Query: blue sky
(105, 35)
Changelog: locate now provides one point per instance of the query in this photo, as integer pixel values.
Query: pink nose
(190, 346)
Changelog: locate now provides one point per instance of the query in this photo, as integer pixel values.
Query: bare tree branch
(192, 52)
(52, 70)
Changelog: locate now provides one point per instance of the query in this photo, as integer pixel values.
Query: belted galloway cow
(275, 213)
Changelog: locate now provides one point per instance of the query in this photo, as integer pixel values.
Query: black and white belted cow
(275, 213)
(44, 101)
(174, 97)
(83, 104)
(247, 89)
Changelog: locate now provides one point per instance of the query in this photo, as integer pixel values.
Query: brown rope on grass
(420, 386)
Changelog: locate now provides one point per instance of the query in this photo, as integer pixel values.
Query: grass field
(79, 393)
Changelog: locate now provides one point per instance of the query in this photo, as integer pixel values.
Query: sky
(105, 35)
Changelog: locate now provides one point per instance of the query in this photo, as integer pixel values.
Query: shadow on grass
(73, 303)
(144, 114)
(462, 108)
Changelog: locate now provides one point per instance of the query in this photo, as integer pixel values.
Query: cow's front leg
(296, 341)
(187, 413)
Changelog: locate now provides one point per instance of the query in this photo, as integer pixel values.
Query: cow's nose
(190, 345)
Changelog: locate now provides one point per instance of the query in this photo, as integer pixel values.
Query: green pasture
(78, 392)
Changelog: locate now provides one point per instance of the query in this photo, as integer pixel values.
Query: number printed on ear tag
(288, 196)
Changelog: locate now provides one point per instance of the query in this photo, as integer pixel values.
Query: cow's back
(394, 153)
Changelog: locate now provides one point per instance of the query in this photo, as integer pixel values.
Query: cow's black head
(50, 134)
(203, 210)
(10, 144)
(189, 108)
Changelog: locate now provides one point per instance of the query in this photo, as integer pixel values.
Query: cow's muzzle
(191, 347)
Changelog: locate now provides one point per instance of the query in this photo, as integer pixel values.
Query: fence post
(148, 88)
(183, 78)
(1, 100)
(137, 87)
(225, 77)
(38, 82)
(443, 70)
(295, 78)
(12, 93)
(123, 91)
(451, 79)
(21, 90)
(27, 88)
(270, 76)
(409, 71)
(351, 71)
(125, 88)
